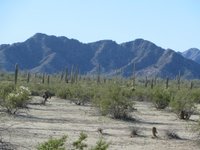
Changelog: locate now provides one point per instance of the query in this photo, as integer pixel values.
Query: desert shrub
(53, 144)
(5, 89)
(183, 103)
(79, 144)
(78, 93)
(111, 101)
(38, 89)
(161, 98)
(195, 93)
(142, 94)
(64, 93)
(15, 99)
(101, 145)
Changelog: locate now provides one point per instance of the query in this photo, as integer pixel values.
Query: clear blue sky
(171, 24)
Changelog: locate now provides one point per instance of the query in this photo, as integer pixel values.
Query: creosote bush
(112, 100)
(13, 99)
(101, 144)
(79, 144)
(53, 144)
(161, 97)
(78, 93)
(183, 103)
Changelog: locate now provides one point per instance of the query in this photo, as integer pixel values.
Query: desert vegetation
(113, 98)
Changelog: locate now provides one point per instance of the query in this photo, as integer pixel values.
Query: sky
(173, 24)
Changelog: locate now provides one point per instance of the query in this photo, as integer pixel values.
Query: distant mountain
(193, 54)
(51, 54)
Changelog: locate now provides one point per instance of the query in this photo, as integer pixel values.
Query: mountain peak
(193, 54)
(39, 35)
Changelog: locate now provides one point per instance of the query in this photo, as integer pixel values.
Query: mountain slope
(193, 54)
(51, 54)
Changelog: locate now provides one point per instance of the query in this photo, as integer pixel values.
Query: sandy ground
(60, 117)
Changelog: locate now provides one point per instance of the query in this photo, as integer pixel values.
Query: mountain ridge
(52, 54)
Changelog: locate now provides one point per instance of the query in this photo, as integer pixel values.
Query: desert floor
(61, 117)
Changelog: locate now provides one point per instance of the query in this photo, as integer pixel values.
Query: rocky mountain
(51, 54)
(193, 54)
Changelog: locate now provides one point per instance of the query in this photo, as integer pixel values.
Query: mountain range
(51, 54)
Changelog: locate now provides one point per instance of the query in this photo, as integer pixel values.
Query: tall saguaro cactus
(48, 79)
(167, 83)
(134, 77)
(179, 80)
(66, 75)
(72, 75)
(28, 77)
(43, 76)
(191, 85)
(98, 73)
(146, 81)
(152, 83)
(16, 73)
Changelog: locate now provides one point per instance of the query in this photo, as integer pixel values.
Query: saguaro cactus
(191, 85)
(28, 77)
(134, 77)
(98, 74)
(66, 75)
(16, 73)
(48, 79)
(43, 75)
(72, 75)
(61, 76)
(179, 80)
(146, 81)
(152, 81)
(167, 83)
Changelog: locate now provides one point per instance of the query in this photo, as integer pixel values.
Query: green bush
(14, 99)
(5, 89)
(111, 100)
(64, 93)
(78, 93)
(101, 145)
(53, 144)
(183, 103)
(38, 89)
(161, 98)
(142, 94)
(79, 144)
